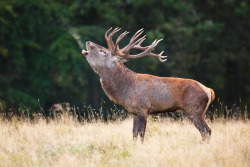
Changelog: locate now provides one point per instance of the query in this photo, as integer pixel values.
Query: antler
(134, 43)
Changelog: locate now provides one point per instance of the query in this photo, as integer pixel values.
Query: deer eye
(103, 51)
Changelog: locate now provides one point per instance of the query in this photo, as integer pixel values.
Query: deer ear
(120, 59)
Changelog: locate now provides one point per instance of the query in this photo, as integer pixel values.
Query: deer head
(98, 56)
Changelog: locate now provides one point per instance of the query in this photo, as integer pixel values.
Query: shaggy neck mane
(116, 81)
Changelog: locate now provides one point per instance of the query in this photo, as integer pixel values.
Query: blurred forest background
(41, 62)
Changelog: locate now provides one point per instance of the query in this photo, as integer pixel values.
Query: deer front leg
(135, 127)
(139, 126)
(142, 125)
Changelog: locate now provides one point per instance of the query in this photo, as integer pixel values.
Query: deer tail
(212, 94)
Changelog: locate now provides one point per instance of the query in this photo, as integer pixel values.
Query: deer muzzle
(85, 52)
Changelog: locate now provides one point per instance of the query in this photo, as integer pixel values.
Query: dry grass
(167, 143)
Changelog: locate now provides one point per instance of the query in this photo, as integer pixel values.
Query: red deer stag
(143, 94)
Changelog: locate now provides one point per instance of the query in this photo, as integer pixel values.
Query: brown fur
(143, 94)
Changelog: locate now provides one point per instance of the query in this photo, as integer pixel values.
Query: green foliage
(39, 59)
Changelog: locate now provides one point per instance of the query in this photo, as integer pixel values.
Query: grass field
(167, 143)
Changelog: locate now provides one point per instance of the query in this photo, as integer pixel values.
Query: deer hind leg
(208, 130)
(139, 126)
(201, 125)
(196, 115)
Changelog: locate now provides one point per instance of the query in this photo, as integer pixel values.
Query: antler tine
(156, 42)
(130, 46)
(110, 37)
(107, 39)
(113, 32)
(119, 39)
(161, 58)
(141, 42)
(153, 45)
(138, 46)
(135, 36)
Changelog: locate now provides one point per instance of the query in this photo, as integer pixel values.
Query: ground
(167, 143)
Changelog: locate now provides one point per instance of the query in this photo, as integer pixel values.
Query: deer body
(143, 94)
(147, 92)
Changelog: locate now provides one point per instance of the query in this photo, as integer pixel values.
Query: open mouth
(85, 52)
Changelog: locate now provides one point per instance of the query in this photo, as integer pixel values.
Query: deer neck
(117, 80)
